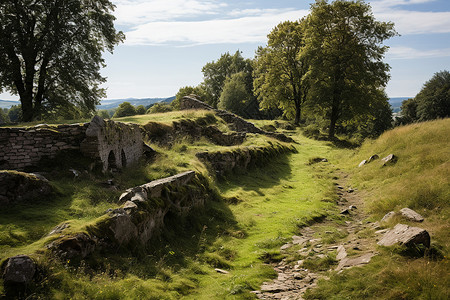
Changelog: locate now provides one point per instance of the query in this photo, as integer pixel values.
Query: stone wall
(235, 122)
(114, 144)
(225, 162)
(25, 146)
(141, 217)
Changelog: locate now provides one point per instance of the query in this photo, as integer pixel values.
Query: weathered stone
(362, 163)
(341, 253)
(59, 228)
(390, 159)
(19, 186)
(355, 261)
(388, 216)
(19, 269)
(405, 235)
(221, 271)
(79, 245)
(123, 229)
(411, 215)
(372, 158)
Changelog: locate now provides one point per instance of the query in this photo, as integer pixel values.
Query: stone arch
(112, 165)
(124, 158)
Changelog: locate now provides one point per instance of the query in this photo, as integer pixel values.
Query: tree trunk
(334, 116)
(298, 112)
(26, 101)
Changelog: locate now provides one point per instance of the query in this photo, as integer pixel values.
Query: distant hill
(396, 103)
(8, 103)
(113, 103)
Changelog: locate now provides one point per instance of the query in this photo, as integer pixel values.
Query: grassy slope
(274, 202)
(419, 180)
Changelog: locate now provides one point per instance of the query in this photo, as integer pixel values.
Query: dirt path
(334, 244)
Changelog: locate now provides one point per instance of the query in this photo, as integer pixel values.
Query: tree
(51, 52)
(280, 70)
(345, 53)
(159, 107)
(125, 109)
(15, 113)
(433, 100)
(408, 111)
(235, 96)
(4, 119)
(216, 72)
(140, 110)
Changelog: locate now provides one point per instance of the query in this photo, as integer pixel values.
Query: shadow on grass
(258, 177)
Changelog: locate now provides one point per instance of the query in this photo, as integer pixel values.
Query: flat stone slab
(411, 215)
(406, 235)
(355, 261)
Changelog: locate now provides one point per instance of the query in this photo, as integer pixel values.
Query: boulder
(405, 235)
(362, 163)
(389, 160)
(21, 187)
(19, 269)
(388, 216)
(79, 245)
(411, 215)
(372, 158)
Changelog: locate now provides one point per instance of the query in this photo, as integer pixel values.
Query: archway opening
(112, 166)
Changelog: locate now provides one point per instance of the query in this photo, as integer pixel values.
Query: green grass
(260, 210)
(419, 180)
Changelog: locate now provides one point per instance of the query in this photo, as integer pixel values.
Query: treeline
(432, 102)
(326, 69)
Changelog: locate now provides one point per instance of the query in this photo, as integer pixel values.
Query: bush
(159, 108)
(125, 109)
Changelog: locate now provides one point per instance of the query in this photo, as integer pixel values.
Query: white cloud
(415, 22)
(409, 21)
(238, 30)
(133, 12)
(411, 53)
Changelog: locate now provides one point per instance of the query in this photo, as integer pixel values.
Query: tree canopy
(345, 53)
(280, 70)
(235, 96)
(433, 100)
(216, 72)
(125, 109)
(51, 52)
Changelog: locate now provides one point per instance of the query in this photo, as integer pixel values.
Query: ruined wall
(115, 144)
(25, 146)
(224, 162)
(235, 122)
(141, 217)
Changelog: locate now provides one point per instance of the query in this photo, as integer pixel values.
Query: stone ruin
(113, 144)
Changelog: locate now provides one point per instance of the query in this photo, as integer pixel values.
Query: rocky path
(318, 247)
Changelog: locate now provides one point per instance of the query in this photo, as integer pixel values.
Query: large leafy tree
(216, 72)
(235, 96)
(433, 100)
(280, 70)
(51, 52)
(345, 51)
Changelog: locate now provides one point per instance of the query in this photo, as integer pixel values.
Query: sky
(169, 41)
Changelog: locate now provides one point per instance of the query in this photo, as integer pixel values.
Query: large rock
(19, 187)
(19, 269)
(405, 235)
(411, 215)
(389, 160)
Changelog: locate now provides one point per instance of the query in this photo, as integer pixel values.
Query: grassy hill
(257, 211)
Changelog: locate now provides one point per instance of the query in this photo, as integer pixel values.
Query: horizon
(168, 42)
